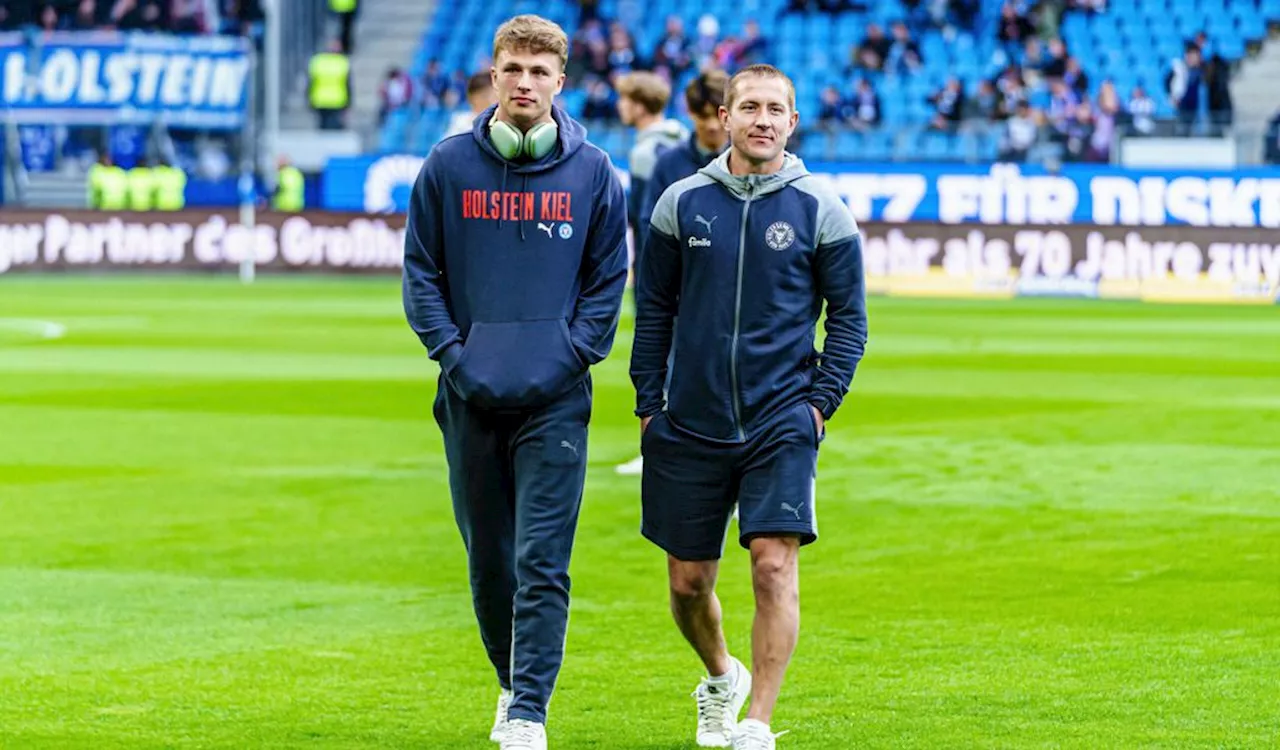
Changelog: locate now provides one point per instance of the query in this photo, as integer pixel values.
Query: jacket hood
(571, 136)
(755, 184)
(663, 130)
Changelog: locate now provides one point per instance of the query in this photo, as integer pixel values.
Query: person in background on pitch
(480, 97)
(515, 267)
(746, 252)
(642, 100)
(702, 97)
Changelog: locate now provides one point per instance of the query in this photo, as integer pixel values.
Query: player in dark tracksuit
(746, 253)
(514, 273)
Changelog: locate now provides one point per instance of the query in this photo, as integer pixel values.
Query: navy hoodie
(747, 262)
(514, 271)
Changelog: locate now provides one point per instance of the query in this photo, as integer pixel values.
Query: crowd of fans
(176, 16)
(1032, 58)
(599, 53)
(1041, 94)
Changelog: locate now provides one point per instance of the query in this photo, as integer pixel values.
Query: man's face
(709, 130)
(762, 118)
(627, 111)
(526, 84)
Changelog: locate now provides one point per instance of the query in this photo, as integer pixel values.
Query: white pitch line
(45, 329)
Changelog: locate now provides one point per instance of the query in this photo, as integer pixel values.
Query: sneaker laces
(521, 732)
(713, 708)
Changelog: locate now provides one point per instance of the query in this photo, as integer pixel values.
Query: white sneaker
(632, 468)
(500, 720)
(522, 734)
(754, 735)
(718, 709)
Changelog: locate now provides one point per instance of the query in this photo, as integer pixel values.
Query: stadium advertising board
(195, 240)
(114, 78)
(952, 194)
(1167, 264)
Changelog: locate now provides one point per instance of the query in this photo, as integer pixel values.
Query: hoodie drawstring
(504, 190)
(524, 188)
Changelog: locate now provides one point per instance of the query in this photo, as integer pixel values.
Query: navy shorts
(690, 485)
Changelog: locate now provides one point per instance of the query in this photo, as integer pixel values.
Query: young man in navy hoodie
(746, 253)
(515, 265)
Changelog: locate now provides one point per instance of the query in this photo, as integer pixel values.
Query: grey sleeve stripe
(664, 214)
(835, 220)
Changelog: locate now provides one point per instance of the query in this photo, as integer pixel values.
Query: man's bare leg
(775, 575)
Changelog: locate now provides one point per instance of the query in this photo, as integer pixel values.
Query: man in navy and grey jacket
(746, 253)
(515, 266)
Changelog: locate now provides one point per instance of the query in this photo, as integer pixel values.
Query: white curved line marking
(45, 329)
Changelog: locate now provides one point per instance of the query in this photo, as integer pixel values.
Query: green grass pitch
(224, 524)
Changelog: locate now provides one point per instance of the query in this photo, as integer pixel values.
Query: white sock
(727, 680)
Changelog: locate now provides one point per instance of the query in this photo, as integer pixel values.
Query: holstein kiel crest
(779, 235)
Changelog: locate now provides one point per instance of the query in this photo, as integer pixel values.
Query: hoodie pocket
(516, 365)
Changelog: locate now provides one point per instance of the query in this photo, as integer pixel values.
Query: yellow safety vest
(342, 6)
(171, 188)
(108, 188)
(291, 190)
(142, 189)
(329, 81)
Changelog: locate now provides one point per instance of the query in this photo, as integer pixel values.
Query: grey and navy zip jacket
(746, 263)
(514, 272)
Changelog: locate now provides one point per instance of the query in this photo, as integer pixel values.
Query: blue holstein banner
(108, 78)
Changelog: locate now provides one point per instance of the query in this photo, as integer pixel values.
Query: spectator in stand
(1078, 132)
(1046, 17)
(1105, 123)
(395, 94)
(1013, 30)
(85, 17)
(904, 54)
(1012, 89)
(871, 54)
(753, 48)
(622, 51)
(1141, 112)
(1217, 79)
(1062, 106)
(672, 53)
(1022, 130)
(1055, 62)
(1075, 78)
(704, 45)
(985, 104)
(864, 107)
(949, 105)
(1183, 83)
(190, 17)
(480, 96)
(599, 104)
(830, 109)
(434, 85)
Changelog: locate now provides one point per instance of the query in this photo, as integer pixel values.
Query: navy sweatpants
(516, 480)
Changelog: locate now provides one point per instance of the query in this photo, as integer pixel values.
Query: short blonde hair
(760, 71)
(534, 35)
(647, 89)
